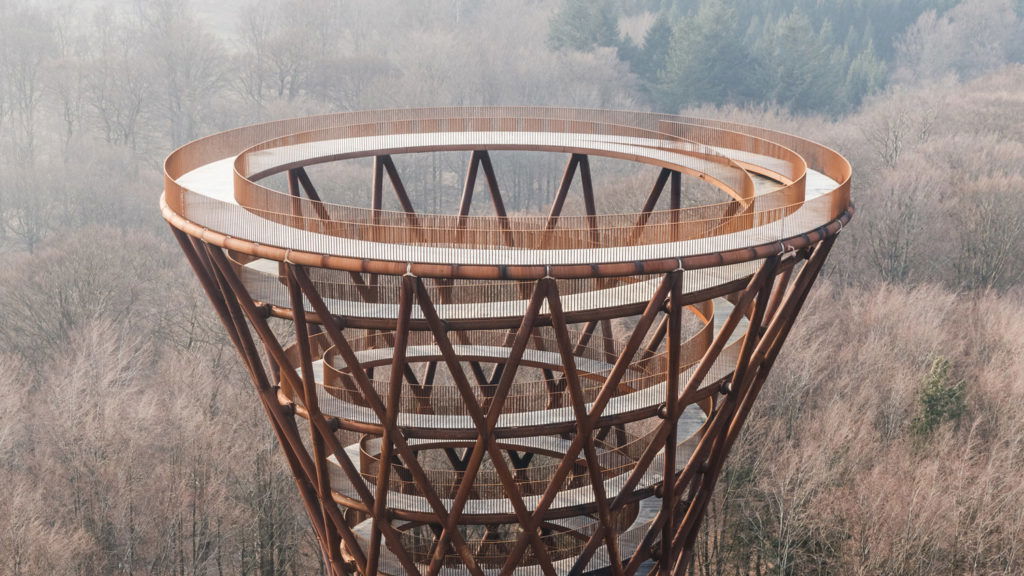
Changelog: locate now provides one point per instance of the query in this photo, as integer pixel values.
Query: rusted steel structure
(515, 393)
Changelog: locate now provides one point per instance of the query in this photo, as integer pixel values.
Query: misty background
(890, 439)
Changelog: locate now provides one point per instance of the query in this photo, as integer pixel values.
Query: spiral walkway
(524, 392)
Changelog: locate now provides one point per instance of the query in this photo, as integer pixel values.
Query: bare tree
(189, 65)
(121, 107)
(26, 42)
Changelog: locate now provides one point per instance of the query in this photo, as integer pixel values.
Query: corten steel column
(550, 393)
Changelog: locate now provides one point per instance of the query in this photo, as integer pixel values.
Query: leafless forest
(889, 441)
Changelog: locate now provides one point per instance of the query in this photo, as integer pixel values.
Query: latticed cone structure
(468, 390)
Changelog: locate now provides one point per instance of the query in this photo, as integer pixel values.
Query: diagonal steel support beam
(361, 380)
(291, 377)
(485, 424)
(586, 426)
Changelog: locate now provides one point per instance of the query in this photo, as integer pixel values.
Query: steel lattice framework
(509, 393)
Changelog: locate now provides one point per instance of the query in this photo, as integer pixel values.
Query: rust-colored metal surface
(530, 392)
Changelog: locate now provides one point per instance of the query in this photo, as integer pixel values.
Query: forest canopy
(894, 419)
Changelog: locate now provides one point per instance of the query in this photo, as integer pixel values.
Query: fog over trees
(890, 439)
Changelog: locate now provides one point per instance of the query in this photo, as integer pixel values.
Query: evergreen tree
(866, 75)
(584, 25)
(707, 60)
(941, 399)
(803, 68)
(654, 52)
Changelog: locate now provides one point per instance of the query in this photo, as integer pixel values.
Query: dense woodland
(890, 439)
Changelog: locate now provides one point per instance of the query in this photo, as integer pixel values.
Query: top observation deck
(779, 193)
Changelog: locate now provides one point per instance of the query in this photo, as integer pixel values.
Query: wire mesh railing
(271, 218)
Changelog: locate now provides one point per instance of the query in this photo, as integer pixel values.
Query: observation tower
(483, 387)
